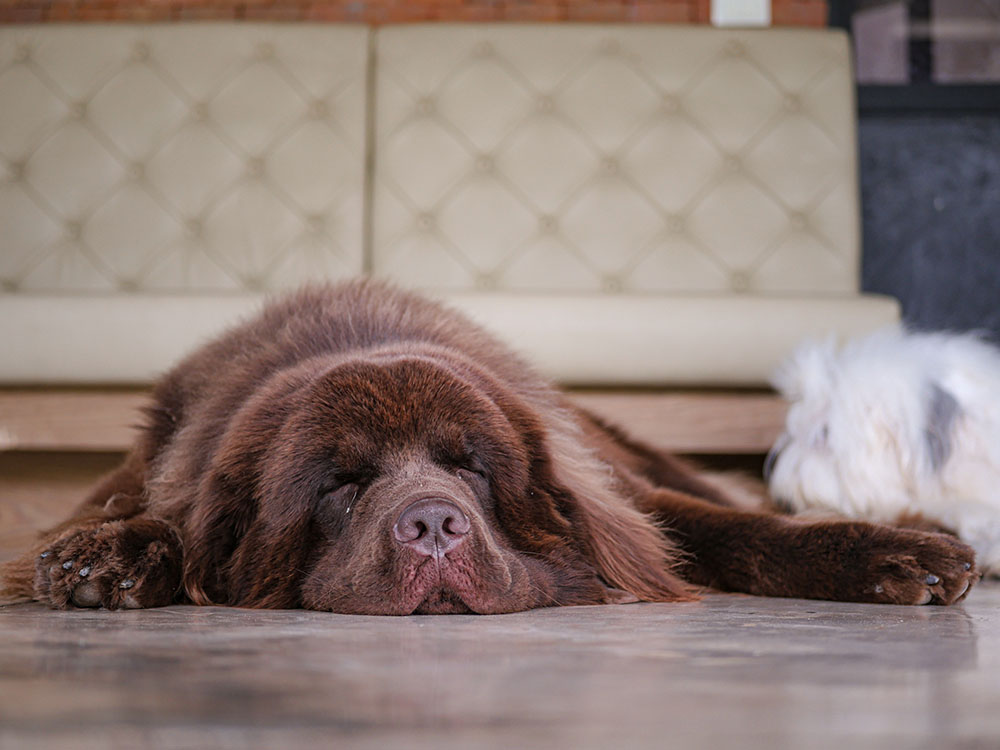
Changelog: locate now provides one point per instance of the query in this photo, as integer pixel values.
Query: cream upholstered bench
(651, 206)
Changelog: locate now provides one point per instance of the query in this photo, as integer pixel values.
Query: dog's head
(407, 481)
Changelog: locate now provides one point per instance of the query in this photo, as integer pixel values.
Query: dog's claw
(932, 579)
(126, 584)
(67, 565)
(84, 571)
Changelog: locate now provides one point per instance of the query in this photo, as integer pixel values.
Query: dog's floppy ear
(942, 411)
(626, 548)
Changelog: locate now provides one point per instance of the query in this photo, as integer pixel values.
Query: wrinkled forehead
(386, 409)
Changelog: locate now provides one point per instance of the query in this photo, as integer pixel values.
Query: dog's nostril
(431, 526)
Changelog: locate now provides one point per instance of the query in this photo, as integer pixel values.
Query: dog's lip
(429, 584)
(443, 601)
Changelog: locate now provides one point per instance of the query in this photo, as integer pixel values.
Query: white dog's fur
(891, 424)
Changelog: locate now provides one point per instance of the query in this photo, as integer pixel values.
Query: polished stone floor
(729, 671)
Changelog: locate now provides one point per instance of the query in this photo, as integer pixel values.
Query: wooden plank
(693, 421)
(681, 421)
(69, 419)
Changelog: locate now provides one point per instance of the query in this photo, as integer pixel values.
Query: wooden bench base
(696, 421)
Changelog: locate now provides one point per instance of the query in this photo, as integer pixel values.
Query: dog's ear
(942, 412)
(630, 553)
(808, 371)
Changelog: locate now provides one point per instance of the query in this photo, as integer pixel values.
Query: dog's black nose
(432, 526)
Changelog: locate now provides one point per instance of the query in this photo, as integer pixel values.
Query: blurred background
(929, 113)
(655, 202)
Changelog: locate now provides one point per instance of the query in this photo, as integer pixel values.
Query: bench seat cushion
(577, 339)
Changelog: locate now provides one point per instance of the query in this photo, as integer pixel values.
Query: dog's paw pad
(111, 564)
(87, 594)
(921, 568)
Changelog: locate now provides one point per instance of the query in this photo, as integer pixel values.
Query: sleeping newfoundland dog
(359, 449)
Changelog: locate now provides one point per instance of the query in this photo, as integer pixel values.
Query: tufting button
(670, 104)
(317, 223)
(193, 228)
(22, 53)
(255, 167)
(610, 46)
(136, 171)
(486, 281)
(9, 285)
(739, 281)
(798, 220)
(128, 285)
(792, 103)
(265, 51)
(609, 165)
(485, 163)
(253, 282)
(611, 284)
(733, 164)
(74, 230)
(425, 105)
(78, 110)
(140, 51)
(675, 223)
(319, 109)
(734, 48)
(483, 49)
(545, 104)
(199, 111)
(15, 171)
(425, 221)
(547, 224)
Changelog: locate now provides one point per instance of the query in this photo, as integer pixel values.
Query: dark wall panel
(931, 204)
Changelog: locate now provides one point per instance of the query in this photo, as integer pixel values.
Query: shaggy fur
(362, 450)
(896, 424)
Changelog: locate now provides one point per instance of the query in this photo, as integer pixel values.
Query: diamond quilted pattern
(607, 100)
(126, 248)
(39, 109)
(737, 206)
(135, 110)
(732, 102)
(483, 102)
(546, 160)
(192, 168)
(673, 161)
(798, 159)
(27, 230)
(170, 158)
(73, 170)
(650, 158)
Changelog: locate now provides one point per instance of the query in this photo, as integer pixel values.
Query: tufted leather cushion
(626, 205)
(616, 158)
(208, 157)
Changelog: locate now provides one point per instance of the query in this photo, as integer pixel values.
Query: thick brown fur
(277, 462)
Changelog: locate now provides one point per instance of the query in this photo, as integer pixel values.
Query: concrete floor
(724, 672)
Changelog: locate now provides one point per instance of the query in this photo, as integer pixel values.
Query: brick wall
(784, 12)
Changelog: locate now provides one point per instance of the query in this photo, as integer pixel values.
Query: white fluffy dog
(893, 424)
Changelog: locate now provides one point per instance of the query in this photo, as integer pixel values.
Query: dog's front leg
(772, 555)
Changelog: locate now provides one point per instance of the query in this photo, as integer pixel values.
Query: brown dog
(362, 450)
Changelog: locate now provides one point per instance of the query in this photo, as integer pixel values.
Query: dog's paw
(912, 567)
(118, 564)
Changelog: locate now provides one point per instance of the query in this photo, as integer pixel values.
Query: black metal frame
(917, 97)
